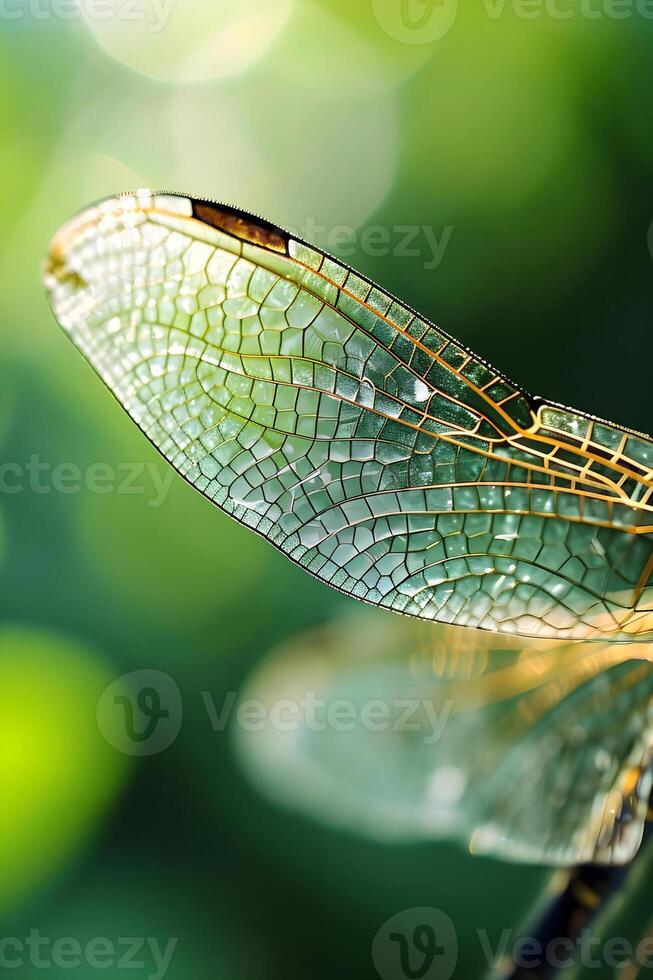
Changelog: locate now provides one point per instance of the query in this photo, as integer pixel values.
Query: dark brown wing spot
(241, 225)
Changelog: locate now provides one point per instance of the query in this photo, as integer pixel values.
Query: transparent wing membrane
(371, 448)
(529, 750)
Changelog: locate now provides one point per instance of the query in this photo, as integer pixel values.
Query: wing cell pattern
(366, 444)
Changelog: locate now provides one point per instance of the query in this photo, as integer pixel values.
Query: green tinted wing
(544, 758)
(366, 444)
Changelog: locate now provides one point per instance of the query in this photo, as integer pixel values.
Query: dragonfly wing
(373, 741)
(576, 787)
(366, 444)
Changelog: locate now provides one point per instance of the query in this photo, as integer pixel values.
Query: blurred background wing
(366, 444)
(534, 752)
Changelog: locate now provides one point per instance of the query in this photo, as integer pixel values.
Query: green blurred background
(525, 144)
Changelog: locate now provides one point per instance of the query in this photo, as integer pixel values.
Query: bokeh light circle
(57, 773)
(190, 41)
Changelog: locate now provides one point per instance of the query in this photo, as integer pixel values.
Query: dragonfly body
(369, 446)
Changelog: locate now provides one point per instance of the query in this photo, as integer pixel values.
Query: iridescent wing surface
(366, 444)
(527, 750)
